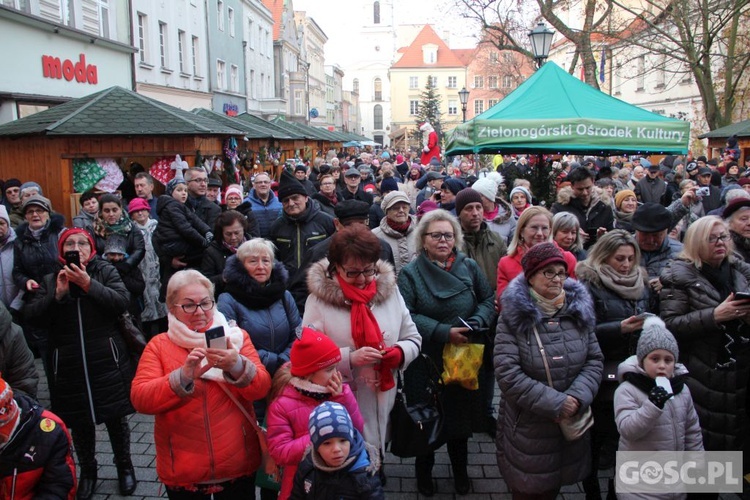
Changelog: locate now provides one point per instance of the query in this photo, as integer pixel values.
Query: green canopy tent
(554, 112)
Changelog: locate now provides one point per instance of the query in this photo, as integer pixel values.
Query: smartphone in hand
(72, 257)
(742, 296)
(216, 338)
(664, 382)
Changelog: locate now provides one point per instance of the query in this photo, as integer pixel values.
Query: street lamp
(463, 96)
(541, 40)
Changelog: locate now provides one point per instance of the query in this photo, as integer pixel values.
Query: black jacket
(361, 195)
(649, 190)
(214, 260)
(345, 484)
(16, 360)
(32, 259)
(246, 209)
(135, 246)
(90, 369)
(597, 214)
(180, 231)
(206, 210)
(325, 204)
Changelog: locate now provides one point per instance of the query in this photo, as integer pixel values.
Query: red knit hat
(69, 232)
(540, 256)
(313, 351)
(8, 411)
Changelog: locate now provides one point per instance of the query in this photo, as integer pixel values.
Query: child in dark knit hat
(648, 416)
(309, 379)
(339, 464)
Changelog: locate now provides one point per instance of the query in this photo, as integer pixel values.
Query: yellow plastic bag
(461, 364)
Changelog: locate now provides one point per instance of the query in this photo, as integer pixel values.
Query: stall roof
(279, 132)
(252, 131)
(303, 130)
(740, 129)
(115, 111)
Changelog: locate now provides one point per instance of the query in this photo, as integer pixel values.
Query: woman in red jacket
(204, 443)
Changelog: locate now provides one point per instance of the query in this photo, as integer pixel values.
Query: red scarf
(365, 329)
(333, 198)
(401, 228)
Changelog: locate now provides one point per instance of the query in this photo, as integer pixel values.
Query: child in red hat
(309, 379)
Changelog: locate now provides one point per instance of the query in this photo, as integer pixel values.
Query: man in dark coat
(651, 188)
(353, 190)
(712, 200)
(595, 216)
(197, 183)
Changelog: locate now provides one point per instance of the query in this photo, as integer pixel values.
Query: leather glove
(393, 357)
(659, 396)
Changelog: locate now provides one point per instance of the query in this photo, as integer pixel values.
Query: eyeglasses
(35, 211)
(76, 244)
(199, 181)
(205, 306)
(715, 239)
(327, 183)
(364, 272)
(441, 236)
(562, 275)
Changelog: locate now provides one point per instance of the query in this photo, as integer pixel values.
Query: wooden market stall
(717, 140)
(115, 123)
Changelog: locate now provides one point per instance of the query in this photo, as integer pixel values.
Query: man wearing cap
(12, 201)
(301, 226)
(712, 200)
(213, 191)
(36, 458)
(264, 203)
(397, 226)
(144, 189)
(651, 188)
(595, 216)
(428, 185)
(352, 188)
(197, 184)
(300, 172)
(347, 212)
(652, 222)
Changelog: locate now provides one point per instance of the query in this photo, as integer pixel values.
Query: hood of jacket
(11, 237)
(518, 306)
(584, 272)
(56, 224)
(631, 365)
(327, 289)
(504, 213)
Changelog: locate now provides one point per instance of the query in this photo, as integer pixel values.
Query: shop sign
(231, 109)
(52, 67)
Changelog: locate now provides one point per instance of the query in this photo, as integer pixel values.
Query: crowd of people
(290, 305)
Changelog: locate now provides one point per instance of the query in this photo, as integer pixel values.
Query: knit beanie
(426, 207)
(171, 185)
(621, 195)
(486, 187)
(521, 189)
(289, 186)
(69, 232)
(454, 185)
(233, 189)
(313, 351)
(540, 256)
(12, 183)
(655, 336)
(9, 411)
(389, 184)
(4, 214)
(330, 420)
(466, 196)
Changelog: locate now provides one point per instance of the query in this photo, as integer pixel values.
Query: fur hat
(313, 351)
(116, 245)
(621, 195)
(392, 198)
(289, 186)
(655, 336)
(466, 196)
(330, 420)
(138, 204)
(540, 256)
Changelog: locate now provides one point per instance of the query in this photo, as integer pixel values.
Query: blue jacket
(265, 212)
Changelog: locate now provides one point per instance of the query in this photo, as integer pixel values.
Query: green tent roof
(252, 130)
(740, 129)
(555, 112)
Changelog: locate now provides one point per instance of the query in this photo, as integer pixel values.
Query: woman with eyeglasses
(90, 368)
(205, 445)
(699, 305)
(355, 301)
(619, 287)
(327, 197)
(547, 321)
(534, 227)
(445, 290)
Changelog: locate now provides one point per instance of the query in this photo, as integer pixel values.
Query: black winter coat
(214, 260)
(311, 483)
(688, 301)
(180, 231)
(91, 369)
(33, 259)
(597, 214)
(360, 195)
(246, 209)
(205, 209)
(16, 360)
(325, 204)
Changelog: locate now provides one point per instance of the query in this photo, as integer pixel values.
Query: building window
(433, 81)
(376, 14)
(452, 107)
(617, 79)
(143, 37)
(181, 49)
(492, 82)
(221, 74)
(220, 14)
(451, 82)
(661, 72)
(508, 57)
(355, 85)
(103, 18)
(195, 50)
(478, 106)
(230, 20)
(413, 82)
(377, 117)
(478, 82)
(640, 77)
(493, 57)
(491, 102)
(261, 45)
(507, 82)
(252, 84)
(250, 34)
(163, 45)
(297, 102)
(234, 75)
(413, 107)
(378, 89)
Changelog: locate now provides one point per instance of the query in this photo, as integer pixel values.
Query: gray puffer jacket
(532, 454)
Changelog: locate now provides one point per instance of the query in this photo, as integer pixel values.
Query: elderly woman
(204, 443)
(625, 205)
(255, 297)
(534, 227)
(542, 306)
(78, 305)
(520, 200)
(737, 217)
(442, 287)
(230, 232)
(396, 228)
(699, 306)
(566, 233)
(619, 287)
(327, 196)
(355, 301)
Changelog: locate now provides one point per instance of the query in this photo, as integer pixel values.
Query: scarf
(357, 459)
(623, 216)
(720, 278)
(333, 198)
(365, 328)
(490, 216)
(548, 307)
(122, 226)
(181, 335)
(401, 228)
(230, 247)
(628, 287)
(37, 233)
(446, 266)
(645, 383)
(740, 242)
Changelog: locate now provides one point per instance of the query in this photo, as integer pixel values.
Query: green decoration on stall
(86, 173)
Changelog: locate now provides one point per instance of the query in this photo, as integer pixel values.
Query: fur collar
(247, 291)
(236, 274)
(584, 272)
(327, 289)
(565, 196)
(518, 306)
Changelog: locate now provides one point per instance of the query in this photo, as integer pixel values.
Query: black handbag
(131, 334)
(417, 429)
